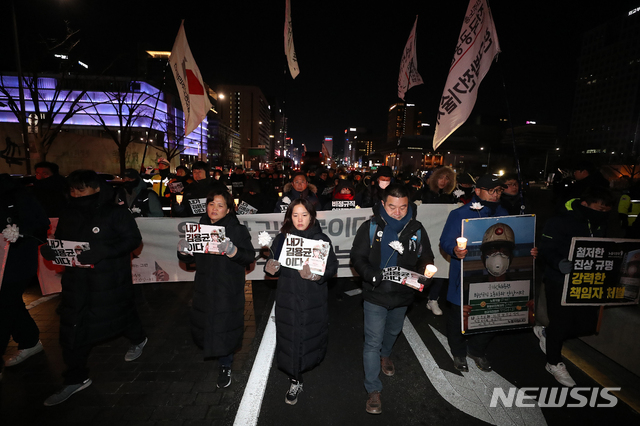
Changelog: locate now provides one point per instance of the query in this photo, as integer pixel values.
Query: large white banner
(289, 50)
(157, 260)
(409, 76)
(477, 46)
(195, 101)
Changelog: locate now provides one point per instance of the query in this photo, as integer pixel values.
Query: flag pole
(513, 140)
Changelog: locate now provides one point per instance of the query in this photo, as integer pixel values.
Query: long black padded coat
(302, 316)
(217, 311)
(98, 303)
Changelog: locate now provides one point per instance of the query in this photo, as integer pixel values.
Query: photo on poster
(498, 273)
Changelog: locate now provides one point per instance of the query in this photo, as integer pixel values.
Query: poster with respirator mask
(498, 273)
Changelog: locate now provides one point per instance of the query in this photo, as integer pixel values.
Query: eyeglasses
(494, 191)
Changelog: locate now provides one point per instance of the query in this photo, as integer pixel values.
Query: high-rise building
(606, 110)
(246, 110)
(404, 120)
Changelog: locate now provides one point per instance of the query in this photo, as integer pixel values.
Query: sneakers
(561, 374)
(460, 363)
(135, 351)
(387, 366)
(481, 362)
(433, 306)
(374, 404)
(224, 377)
(63, 394)
(23, 354)
(541, 334)
(291, 396)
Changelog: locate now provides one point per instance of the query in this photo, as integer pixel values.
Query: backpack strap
(373, 227)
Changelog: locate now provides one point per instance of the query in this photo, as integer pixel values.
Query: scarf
(492, 206)
(388, 256)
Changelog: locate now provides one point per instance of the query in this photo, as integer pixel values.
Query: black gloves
(47, 252)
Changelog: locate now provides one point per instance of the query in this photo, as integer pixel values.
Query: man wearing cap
(485, 203)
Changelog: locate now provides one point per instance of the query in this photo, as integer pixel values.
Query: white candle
(430, 271)
(462, 243)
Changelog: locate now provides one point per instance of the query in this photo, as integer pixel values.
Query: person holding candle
(485, 203)
(392, 237)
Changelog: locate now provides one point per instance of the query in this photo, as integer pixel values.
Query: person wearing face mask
(497, 247)
(217, 311)
(484, 203)
(465, 188)
(586, 216)
(439, 191)
(137, 197)
(373, 193)
(302, 317)
(97, 302)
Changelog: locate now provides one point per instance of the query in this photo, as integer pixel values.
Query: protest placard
(605, 271)
(198, 205)
(343, 204)
(498, 304)
(246, 208)
(403, 276)
(176, 187)
(497, 273)
(204, 238)
(67, 252)
(297, 252)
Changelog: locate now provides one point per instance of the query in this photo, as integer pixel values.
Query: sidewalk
(169, 384)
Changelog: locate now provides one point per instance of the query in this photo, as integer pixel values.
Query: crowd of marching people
(97, 300)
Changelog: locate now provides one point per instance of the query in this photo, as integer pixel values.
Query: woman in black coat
(302, 318)
(217, 312)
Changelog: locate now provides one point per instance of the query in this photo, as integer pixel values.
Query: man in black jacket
(385, 302)
(97, 299)
(583, 217)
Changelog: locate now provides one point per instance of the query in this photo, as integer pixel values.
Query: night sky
(348, 51)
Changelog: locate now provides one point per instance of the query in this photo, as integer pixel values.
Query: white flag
(195, 102)
(409, 76)
(476, 48)
(292, 60)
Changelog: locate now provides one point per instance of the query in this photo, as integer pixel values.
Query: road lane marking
(249, 408)
(40, 300)
(472, 392)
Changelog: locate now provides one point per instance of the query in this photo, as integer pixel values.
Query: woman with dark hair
(217, 313)
(302, 317)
